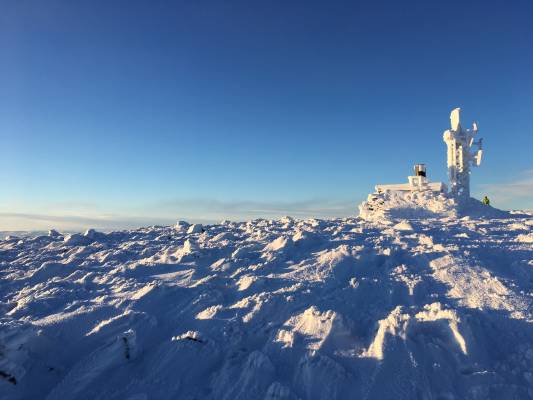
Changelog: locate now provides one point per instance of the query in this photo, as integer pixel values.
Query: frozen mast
(460, 156)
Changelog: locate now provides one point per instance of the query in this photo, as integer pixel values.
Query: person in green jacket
(486, 201)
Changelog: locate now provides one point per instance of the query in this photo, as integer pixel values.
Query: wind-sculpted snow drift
(428, 308)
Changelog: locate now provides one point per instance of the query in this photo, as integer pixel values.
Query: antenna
(460, 154)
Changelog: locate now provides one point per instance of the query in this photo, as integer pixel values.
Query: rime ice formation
(460, 155)
(420, 198)
(390, 308)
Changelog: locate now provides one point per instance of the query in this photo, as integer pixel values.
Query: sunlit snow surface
(286, 309)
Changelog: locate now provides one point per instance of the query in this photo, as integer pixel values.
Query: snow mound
(407, 205)
(195, 228)
(391, 205)
(312, 328)
(181, 226)
(525, 238)
(384, 306)
(403, 226)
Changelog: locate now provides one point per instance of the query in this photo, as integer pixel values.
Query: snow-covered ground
(385, 308)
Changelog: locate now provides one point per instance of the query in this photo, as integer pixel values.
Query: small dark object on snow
(126, 347)
(194, 339)
(420, 170)
(8, 377)
(486, 201)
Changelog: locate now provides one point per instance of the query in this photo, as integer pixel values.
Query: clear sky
(123, 113)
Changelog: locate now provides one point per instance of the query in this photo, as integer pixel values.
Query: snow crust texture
(393, 307)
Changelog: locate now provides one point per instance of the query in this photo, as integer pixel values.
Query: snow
(406, 205)
(182, 226)
(525, 238)
(196, 228)
(417, 298)
(403, 226)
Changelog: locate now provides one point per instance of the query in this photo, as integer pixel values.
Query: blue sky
(123, 113)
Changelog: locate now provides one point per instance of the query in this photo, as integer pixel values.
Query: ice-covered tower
(460, 154)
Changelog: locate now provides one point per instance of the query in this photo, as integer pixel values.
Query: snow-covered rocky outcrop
(409, 204)
(423, 204)
(387, 307)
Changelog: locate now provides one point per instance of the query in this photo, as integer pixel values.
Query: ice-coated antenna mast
(460, 155)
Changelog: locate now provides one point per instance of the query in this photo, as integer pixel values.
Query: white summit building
(420, 193)
(418, 181)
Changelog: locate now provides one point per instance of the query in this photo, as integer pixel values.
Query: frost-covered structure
(416, 182)
(460, 154)
(420, 198)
